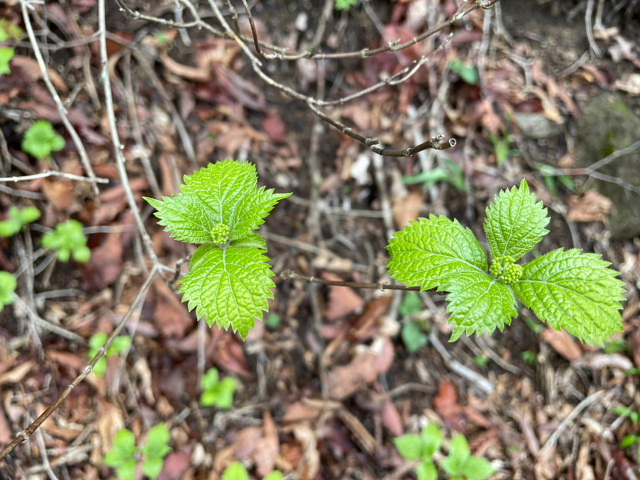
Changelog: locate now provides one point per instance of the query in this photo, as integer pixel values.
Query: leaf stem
(290, 274)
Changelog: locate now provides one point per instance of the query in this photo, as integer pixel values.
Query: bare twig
(54, 173)
(62, 111)
(288, 274)
(24, 435)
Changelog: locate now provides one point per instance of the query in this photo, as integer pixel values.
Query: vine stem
(289, 274)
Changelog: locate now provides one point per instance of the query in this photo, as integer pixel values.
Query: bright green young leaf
(222, 193)
(68, 239)
(9, 30)
(152, 467)
(432, 439)
(235, 471)
(216, 392)
(41, 140)
(413, 336)
(459, 451)
(219, 206)
(345, 4)
(156, 448)
(158, 439)
(477, 468)
(6, 54)
(17, 219)
(275, 475)
(409, 446)
(228, 287)
(434, 252)
(427, 470)
(8, 284)
(515, 222)
(122, 455)
(479, 303)
(575, 291)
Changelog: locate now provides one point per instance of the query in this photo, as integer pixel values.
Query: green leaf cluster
(345, 4)
(41, 140)
(458, 465)
(8, 284)
(237, 471)
(229, 282)
(119, 345)
(631, 440)
(125, 455)
(17, 219)
(8, 31)
(69, 240)
(216, 392)
(566, 288)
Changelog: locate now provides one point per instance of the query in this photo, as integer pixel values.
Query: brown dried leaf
(562, 342)
(342, 300)
(345, 380)
(590, 207)
(169, 314)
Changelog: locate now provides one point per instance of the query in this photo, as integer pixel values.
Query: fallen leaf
(342, 300)
(562, 342)
(169, 314)
(345, 380)
(590, 207)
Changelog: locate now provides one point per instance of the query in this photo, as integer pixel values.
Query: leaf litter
(311, 412)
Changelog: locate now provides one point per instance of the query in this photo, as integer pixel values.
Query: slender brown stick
(24, 435)
(289, 274)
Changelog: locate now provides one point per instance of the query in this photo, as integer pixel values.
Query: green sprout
(17, 220)
(69, 240)
(41, 140)
(8, 284)
(216, 392)
(345, 4)
(237, 471)
(125, 456)
(96, 342)
(458, 465)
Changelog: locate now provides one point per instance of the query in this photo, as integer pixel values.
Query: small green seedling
(458, 465)
(6, 55)
(96, 342)
(273, 321)
(8, 284)
(8, 31)
(125, 456)
(69, 240)
(41, 140)
(345, 4)
(569, 289)
(631, 440)
(229, 282)
(237, 471)
(449, 172)
(413, 330)
(551, 175)
(468, 73)
(216, 392)
(17, 220)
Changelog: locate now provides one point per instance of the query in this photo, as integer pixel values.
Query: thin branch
(54, 173)
(392, 46)
(291, 275)
(24, 435)
(62, 111)
(115, 139)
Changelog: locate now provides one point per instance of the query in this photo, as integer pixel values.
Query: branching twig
(54, 173)
(315, 104)
(288, 274)
(62, 111)
(24, 435)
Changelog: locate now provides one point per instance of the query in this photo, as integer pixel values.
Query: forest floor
(333, 375)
